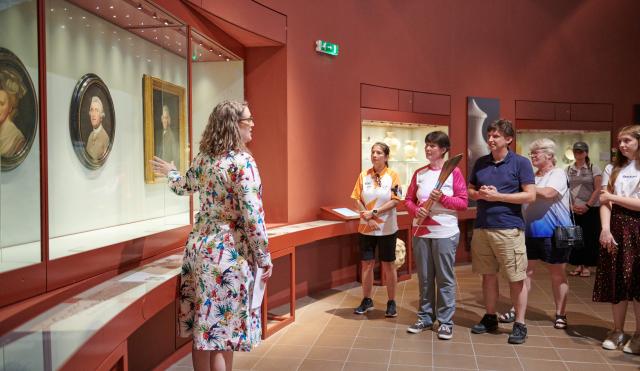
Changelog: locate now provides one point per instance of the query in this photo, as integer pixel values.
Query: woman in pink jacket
(436, 238)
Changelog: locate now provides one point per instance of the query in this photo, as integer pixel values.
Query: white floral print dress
(228, 240)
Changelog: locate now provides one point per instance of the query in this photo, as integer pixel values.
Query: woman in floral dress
(227, 243)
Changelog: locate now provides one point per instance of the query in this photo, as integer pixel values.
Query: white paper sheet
(346, 212)
(258, 290)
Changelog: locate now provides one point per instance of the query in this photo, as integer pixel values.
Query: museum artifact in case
(18, 110)
(92, 123)
(165, 126)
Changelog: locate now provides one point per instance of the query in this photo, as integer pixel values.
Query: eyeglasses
(249, 120)
(535, 153)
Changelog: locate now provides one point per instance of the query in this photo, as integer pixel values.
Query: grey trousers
(434, 259)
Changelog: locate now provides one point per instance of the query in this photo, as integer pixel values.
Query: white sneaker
(614, 340)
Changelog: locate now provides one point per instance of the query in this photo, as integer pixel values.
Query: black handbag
(568, 237)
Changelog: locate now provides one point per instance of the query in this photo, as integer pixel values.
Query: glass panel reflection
(19, 137)
(98, 53)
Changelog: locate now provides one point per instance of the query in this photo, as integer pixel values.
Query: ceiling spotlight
(220, 55)
(155, 16)
(115, 16)
(139, 6)
(227, 59)
(97, 8)
(211, 50)
(111, 7)
(166, 23)
(126, 16)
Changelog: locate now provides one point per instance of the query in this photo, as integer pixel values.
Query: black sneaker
(445, 332)
(365, 306)
(488, 323)
(391, 309)
(518, 334)
(418, 327)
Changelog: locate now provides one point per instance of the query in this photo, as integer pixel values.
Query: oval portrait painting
(92, 123)
(18, 111)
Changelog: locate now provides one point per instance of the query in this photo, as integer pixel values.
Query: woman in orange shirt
(376, 193)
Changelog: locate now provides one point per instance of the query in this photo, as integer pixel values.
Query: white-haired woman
(228, 241)
(550, 209)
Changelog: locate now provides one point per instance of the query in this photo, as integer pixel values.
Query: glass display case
(117, 89)
(19, 136)
(405, 141)
(599, 144)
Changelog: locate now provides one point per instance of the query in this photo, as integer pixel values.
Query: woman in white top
(376, 194)
(618, 275)
(550, 210)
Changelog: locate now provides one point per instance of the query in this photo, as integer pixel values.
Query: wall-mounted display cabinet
(95, 89)
(405, 141)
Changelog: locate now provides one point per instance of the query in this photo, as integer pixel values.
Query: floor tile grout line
(344, 364)
(395, 329)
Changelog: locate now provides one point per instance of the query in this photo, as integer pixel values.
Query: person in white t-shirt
(618, 274)
(376, 194)
(436, 236)
(548, 211)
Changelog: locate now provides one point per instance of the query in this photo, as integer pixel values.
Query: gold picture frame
(163, 137)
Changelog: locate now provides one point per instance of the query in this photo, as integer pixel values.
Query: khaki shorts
(499, 250)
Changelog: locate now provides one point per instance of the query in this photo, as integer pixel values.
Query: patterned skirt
(618, 275)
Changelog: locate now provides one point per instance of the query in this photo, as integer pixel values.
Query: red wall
(576, 51)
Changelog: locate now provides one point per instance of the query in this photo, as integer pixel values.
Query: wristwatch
(375, 211)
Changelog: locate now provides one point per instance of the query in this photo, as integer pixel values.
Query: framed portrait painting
(18, 111)
(92, 121)
(165, 127)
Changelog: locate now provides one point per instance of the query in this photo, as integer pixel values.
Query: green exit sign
(326, 47)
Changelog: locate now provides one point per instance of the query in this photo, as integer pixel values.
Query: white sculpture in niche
(477, 145)
(393, 144)
(410, 150)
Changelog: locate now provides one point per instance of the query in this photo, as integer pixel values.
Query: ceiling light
(155, 16)
(139, 6)
(111, 7)
(97, 8)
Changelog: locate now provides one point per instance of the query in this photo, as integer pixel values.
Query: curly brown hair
(620, 160)
(221, 134)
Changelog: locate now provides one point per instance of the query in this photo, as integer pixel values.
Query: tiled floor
(327, 335)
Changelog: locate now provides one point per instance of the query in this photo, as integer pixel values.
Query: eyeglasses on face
(248, 120)
(536, 153)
